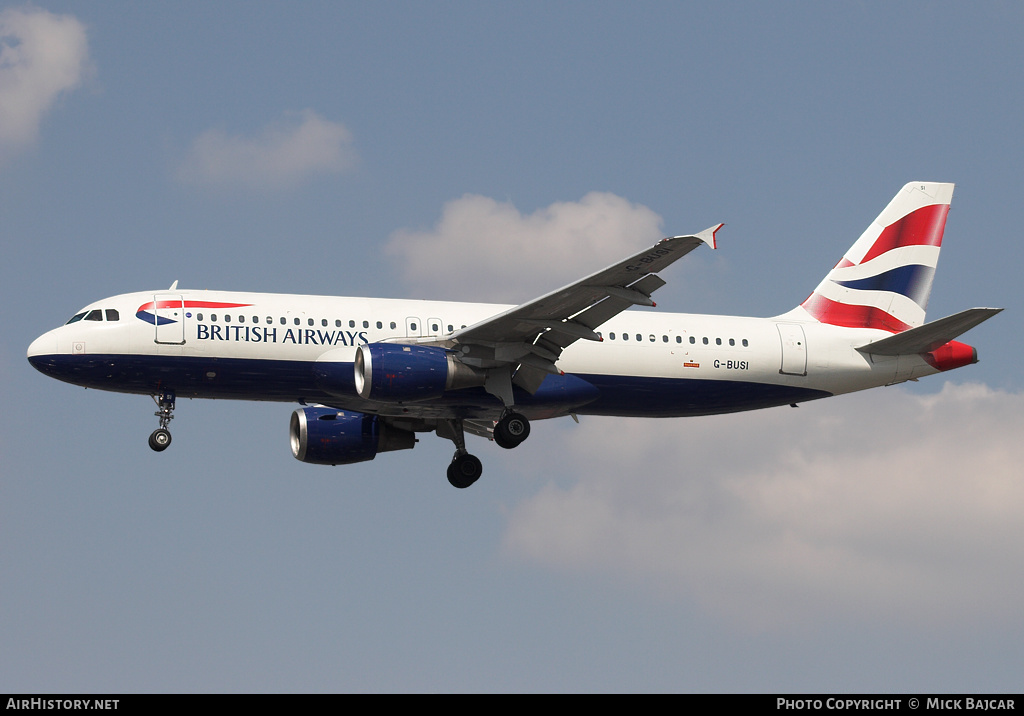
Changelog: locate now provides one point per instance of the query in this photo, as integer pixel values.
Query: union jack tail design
(884, 280)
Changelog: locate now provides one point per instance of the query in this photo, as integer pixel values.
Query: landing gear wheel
(160, 439)
(511, 430)
(464, 470)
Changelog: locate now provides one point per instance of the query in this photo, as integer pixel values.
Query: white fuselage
(256, 346)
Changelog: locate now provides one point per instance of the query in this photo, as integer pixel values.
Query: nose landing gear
(160, 438)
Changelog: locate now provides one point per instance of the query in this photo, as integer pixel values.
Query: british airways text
(262, 334)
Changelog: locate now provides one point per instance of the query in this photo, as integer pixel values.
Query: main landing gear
(511, 430)
(160, 439)
(465, 469)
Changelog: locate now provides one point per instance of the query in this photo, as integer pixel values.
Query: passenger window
(434, 327)
(351, 324)
(652, 338)
(323, 322)
(639, 337)
(96, 315)
(412, 326)
(611, 336)
(297, 322)
(255, 319)
(718, 341)
(241, 319)
(199, 316)
(705, 339)
(227, 319)
(379, 324)
(693, 339)
(113, 315)
(213, 317)
(393, 325)
(269, 320)
(744, 342)
(664, 339)
(309, 321)
(625, 336)
(679, 339)
(337, 323)
(366, 324)
(76, 317)
(450, 328)
(732, 342)
(284, 321)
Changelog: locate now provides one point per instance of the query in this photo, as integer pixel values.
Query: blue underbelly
(294, 381)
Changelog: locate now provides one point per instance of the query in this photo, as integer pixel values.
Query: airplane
(370, 374)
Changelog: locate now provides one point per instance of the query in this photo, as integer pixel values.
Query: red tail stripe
(919, 228)
(851, 316)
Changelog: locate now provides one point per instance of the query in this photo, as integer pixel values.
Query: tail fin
(884, 280)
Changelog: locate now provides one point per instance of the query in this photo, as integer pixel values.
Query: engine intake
(325, 436)
(397, 373)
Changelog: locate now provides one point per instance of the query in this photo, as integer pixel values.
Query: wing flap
(529, 378)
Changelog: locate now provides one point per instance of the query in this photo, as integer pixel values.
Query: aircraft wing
(531, 336)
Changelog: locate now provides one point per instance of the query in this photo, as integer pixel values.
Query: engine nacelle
(325, 436)
(398, 373)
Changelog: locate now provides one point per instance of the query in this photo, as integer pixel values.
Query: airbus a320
(370, 374)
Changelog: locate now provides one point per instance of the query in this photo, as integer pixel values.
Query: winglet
(708, 235)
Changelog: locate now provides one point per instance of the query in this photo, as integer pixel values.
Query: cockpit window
(96, 315)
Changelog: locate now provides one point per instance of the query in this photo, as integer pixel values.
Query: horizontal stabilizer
(930, 336)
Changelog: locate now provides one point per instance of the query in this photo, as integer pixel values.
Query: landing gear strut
(511, 430)
(465, 469)
(160, 439)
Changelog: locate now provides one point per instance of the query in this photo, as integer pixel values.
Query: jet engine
(325, 436)
(397, 373)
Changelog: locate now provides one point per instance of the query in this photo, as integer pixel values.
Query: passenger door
(169, 310)
(794, 349)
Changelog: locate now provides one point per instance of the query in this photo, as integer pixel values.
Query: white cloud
(41, 56)
(482, 249)
(880, 506)
(283, 154)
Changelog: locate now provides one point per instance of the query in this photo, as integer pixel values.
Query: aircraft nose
(45, 345)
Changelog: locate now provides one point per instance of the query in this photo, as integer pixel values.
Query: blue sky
(494, 151)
